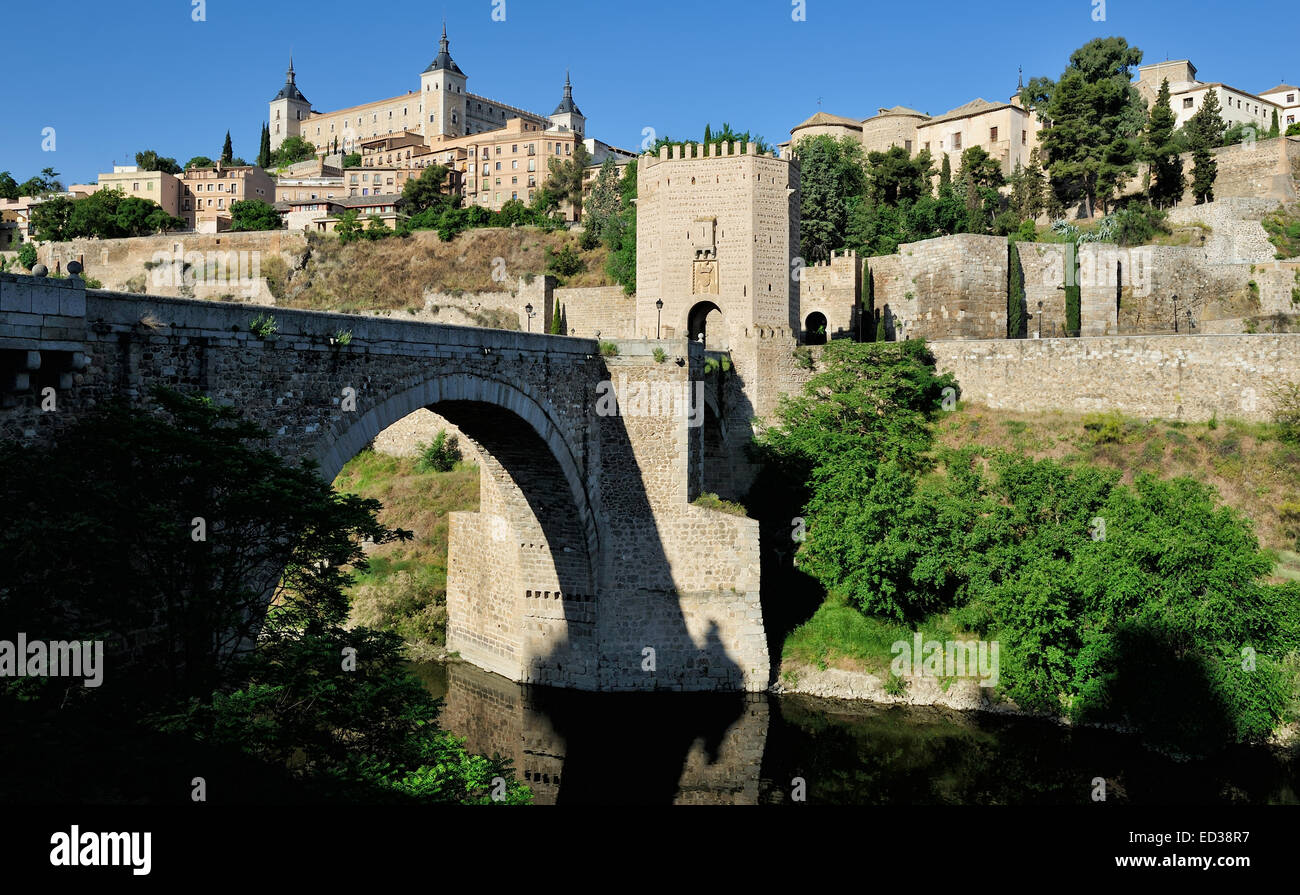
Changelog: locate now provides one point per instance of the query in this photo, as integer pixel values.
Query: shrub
(263, 326)
(27, 256)
(711, 501)
(608, 349)
(1286, 410)
(660, 355)
(440, 455)
(564, 263)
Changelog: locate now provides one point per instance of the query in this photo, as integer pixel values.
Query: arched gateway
(586, 566)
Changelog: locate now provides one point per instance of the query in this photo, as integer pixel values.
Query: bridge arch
(441, 393)
(525, 570)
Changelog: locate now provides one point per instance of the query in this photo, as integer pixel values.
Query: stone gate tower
(717, 238)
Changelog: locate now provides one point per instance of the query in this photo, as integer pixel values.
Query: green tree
(43, 184)
(1275, 129)
(1161, 150)
(1015, 294)
(51, 220)
(264, 148)
(148, 160)
(1095, 118)
(27, 255)
(427, 191)
(353, 160)
(227, 151)
(1205, 132)
(857, 434)
(979, 178)
(619, 234)
(604, 200)
(214, 665)
(894, 176)
(293, 149)
(8, 186)
(945, 172)
(832, 173)
(199, 161)
(347, 227)
(254, 214)
(1028, 188)
(564, 186)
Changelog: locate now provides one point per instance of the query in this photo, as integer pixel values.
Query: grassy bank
(405, 588)
(1250, 467)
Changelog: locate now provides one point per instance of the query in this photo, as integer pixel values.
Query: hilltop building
(443, 107)
(1187, 95)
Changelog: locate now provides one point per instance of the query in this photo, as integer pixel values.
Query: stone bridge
(587, 565)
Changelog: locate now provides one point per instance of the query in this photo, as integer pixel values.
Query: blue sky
(142, 74)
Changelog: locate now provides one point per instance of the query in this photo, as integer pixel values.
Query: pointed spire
(289, 73)
(1022, 78)
(567, 104)
(443, 61)
(290, 89)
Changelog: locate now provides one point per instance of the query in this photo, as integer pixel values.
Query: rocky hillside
(395, 274)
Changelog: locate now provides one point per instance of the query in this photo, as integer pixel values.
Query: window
(956, 141)
(1024, 138)
(907, 144)
(993, 135)
(135, 187)
(514, 164)
(1290, 98)
(1188, 102)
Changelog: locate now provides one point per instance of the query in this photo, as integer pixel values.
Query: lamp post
(528, 309)
(659, 315)
(1040, 320)
(1175, 313)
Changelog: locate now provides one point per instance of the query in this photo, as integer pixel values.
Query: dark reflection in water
(663, 748)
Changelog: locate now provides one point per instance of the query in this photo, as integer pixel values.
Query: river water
(687, 748)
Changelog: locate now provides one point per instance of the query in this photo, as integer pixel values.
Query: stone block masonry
(952, 287)
(586, 550)
(1190, 378)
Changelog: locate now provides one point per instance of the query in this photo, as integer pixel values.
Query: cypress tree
(869, 305)
(1205, 133)
(1015, 293)
(945, 173)
(1276, 129)
(880, 328)
(227, 151)
(556, 320)
(1161, 152)
(264, 150)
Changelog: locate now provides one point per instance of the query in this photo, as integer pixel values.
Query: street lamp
(1040, 320)
(1175, 313)
(659, 315)
(528, 309)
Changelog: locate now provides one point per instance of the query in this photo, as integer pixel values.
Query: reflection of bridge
(587, 565)
(703, 749)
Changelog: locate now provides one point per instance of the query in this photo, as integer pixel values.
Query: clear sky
(114, 78)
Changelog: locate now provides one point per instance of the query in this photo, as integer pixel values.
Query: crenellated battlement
(846, 258)
(695, 151)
